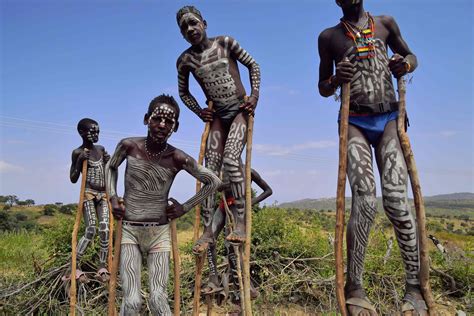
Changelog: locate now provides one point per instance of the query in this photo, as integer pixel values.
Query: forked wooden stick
(424, 274)
(248, 215)
(340, 200)
(231, 223)
(197, 221)
(177, 267)
(115, 267)
(77, 224)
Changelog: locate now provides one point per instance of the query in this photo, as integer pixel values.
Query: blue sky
(64, 60)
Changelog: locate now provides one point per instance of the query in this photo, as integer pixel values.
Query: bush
(49, 209)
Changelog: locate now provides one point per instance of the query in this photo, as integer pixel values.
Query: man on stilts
(213, 62)
(363, 39)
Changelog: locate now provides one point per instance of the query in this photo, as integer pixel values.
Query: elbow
(323, 92)
(269, 192)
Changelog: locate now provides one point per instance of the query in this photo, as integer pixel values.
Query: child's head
(162, 117)
(192, 25)
(89, 130)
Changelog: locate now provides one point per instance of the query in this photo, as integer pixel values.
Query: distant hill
(453, 204)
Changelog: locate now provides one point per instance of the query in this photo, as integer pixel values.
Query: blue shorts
(372, 126)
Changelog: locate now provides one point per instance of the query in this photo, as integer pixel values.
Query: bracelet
(407, 66)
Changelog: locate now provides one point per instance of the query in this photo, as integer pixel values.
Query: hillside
(454, 204)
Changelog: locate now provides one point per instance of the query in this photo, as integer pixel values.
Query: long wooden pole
(77, 224)
(177, 267)
(111, 235)
(340, 200)
(199, 261)
(248, 216)
(115, 267)
(424, 274)
(231, 225)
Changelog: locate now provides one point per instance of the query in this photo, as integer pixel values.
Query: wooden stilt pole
(197, 221)
(111, 235)
(424, 274)
(115, 267)
(77, 224)
(177, 267)
(248, 215)
(231, 223)
(340, 200)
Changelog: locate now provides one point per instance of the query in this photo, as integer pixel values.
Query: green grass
(18, 251)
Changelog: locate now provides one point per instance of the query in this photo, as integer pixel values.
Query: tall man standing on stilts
(363, 39)
(213, 62)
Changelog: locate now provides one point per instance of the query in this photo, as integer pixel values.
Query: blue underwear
(373, 126)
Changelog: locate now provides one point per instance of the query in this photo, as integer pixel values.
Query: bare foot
(414, 304)
(203, 242)
(358, 304)
(236, 237)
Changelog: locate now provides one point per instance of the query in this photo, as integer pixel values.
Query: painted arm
(404, 61)
(183, 86)
(328, 82)
(209, 180)
(111, 176)
(262, 184)
(78, 156)
(245, 59)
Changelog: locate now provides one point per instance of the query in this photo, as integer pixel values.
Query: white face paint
(93, 133)
(164, 116)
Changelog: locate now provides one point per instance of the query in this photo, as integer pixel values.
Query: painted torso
(95, 175)
(372, 81)
(147, 186)
(218, 75)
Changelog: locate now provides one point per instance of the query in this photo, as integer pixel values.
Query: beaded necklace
(363, 37)
(154, 155)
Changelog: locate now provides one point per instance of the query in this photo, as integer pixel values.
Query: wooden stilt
(177, 267)
(340, 200)
(197, 221)
(115, 267)
(424, 273)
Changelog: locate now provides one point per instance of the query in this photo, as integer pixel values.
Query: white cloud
(448, 133)
(8, 167)
(280, 150)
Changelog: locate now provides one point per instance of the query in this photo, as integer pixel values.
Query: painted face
(347, 3)
(192, 28)
(162, 122)
(92, 133)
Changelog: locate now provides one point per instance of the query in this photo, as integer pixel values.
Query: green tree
(49, 209)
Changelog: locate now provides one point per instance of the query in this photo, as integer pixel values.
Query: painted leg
(90, 220)
(158, 270)
(130, 275)
(232, 166)
(213, 157)
(103, 214)
(394, 178)
(361, 179)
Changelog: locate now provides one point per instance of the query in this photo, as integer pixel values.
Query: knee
(132, 303)
(233, 169)
(103, 231)
(90, 232)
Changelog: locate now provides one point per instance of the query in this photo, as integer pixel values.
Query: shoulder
(326, 35)
(183, 57)
(386, 20)
(180, 158)
(99, 147)
(130, 143)
(76, 152)
(222, 39)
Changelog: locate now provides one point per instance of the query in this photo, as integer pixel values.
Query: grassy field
(282, 241)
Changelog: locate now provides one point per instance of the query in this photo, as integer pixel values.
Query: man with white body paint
(152, 165)
(213, 63)
(358, 47)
